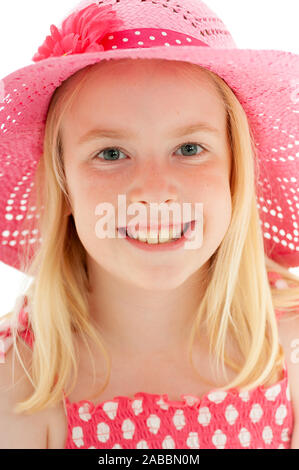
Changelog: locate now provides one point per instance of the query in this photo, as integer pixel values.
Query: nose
(155, 183)
(157, 187)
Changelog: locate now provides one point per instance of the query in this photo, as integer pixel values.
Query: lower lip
(171, 245)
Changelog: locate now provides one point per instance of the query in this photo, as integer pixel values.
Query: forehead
(146, 90)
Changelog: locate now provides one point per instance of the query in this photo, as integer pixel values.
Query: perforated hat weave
(264, 81)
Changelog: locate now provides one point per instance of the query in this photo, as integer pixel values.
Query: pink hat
(264, 81)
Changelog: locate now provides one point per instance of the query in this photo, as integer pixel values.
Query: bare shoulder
(288, 330)
(288, 327)
(19, 430)
(57, 427)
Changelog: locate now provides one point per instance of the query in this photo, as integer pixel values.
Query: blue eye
(187, 146)
(112, 153)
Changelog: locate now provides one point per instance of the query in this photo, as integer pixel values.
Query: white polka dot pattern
(217, 397)
(244, 437)
(257, 419)
(256, 413)
(84, 412)
(77, 436)
(267, 434)
(192, 441)
(219, 439)
(272, 392)
(231, 414)
(103, 432)
(280, 414)
(128, 429)
(179, 419)
(110, 408)
(204, 416)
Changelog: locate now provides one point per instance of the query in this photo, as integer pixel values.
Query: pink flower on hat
(82, 31)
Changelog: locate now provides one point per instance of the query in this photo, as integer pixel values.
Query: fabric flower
(23, 327)
(82, 31)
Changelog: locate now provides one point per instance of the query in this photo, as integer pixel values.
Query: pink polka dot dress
(259, 419)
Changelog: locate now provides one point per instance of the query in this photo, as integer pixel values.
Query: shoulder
(46, 429)
(288, 328)
(288, 331)
(19, 430)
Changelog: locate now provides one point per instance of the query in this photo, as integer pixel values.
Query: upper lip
(158, 227)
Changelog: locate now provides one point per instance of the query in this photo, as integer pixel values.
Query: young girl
(118, 343)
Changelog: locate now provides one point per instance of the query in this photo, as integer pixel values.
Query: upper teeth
(161, 236)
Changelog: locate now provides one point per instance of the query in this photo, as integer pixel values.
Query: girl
(119, 341)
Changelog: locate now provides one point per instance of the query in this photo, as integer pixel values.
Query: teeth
(172, 234)
(163, 236)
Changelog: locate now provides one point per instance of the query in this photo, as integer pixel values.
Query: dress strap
(22, 325)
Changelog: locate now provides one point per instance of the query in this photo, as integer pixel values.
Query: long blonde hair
(238, 300)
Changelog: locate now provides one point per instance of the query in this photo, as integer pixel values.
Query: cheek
(221, 205)
(89, 189)
(88, 192)
(211, 187)
(213, 191)
(102, 186)
(218, 212)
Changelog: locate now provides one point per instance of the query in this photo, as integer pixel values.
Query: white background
(254, 24)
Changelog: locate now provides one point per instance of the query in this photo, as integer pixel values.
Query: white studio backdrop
(254, 24)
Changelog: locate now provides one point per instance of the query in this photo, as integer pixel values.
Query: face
(150, 166)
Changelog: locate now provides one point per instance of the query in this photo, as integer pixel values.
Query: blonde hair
(238, 300)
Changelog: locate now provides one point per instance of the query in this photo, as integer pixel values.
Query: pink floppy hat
(264, 81)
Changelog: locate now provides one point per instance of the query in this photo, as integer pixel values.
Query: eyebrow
(122, 133)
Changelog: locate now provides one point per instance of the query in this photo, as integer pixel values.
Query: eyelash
(117, 148)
